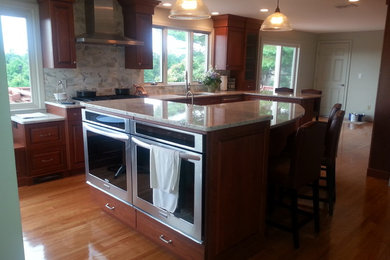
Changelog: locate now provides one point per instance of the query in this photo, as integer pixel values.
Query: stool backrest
(308, 151)
(336, 107)
(284, 90)
(333, 136)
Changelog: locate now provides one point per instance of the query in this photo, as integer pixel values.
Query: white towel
(164, 177)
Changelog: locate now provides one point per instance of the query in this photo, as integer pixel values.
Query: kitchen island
(235, 151)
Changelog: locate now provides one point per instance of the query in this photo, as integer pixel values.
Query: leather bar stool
(289, 173)
(328, 162)
(317, 102)
(284, 91)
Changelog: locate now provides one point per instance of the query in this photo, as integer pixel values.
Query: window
(278, 68)
(175, 52)
(19, 33)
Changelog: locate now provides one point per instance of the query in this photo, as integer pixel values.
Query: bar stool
(292, 172)
(284, 91)
(317, 102)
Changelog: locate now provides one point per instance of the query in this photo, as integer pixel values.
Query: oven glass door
(187, 217)
(108, 160)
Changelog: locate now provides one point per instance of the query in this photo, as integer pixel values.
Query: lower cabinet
(159, 233)
(40, 150)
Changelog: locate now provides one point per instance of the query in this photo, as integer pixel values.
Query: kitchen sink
(196, 94)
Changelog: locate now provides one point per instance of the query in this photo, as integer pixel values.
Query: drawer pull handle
(48, 160)
(45, 135)
(164, 240)
(109, 207)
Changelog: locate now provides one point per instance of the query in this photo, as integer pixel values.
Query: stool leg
(294, 217)
(330, 189)
(316, 206)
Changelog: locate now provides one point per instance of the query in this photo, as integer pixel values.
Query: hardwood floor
(60, 221)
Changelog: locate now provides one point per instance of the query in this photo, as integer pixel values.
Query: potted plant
(212, 80)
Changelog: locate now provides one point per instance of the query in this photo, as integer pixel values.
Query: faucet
(189, 93)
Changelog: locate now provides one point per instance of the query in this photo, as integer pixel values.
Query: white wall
(11, 243)
(364, 70)
(307, 43)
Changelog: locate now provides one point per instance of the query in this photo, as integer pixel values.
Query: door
(332, 71)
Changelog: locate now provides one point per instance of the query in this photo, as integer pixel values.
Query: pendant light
(189, 10)
(276, 22)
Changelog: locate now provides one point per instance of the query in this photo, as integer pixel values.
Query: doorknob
(342, 85)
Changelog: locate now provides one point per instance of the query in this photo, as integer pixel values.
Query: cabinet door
(141, 57)
(76, 145)
(235, 49)
(63, 35)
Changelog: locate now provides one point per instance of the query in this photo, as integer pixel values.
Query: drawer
(47, 160)
(73, 114)
(168, 238)
(45, 134)
(114, 207)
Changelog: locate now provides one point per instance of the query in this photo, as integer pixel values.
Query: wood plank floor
(60, 221)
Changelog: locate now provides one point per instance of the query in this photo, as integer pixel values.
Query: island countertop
(202, 117)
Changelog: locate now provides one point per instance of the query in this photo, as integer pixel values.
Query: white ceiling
(319, 16)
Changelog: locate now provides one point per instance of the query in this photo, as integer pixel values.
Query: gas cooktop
(108, 97)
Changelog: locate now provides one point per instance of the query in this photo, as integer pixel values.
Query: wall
(307, 43)
(365, 60)
(11, 242)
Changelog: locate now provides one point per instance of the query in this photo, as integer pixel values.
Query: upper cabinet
(57, 33)
(236, 48)
(229, 31)
(137, 16)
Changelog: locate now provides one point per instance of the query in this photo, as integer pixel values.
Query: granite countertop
(75, 105)
(32, 118)
(204, 118)
(230, 92)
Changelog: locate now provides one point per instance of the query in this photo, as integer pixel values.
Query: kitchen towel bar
(184, 156)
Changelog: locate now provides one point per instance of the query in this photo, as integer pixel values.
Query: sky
(14, 34)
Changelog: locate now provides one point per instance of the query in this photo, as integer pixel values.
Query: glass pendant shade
(189, 10)
(276, 22)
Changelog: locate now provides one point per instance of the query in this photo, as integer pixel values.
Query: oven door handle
(106, 132)
(185, 156)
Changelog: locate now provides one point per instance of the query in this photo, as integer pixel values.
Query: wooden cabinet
(379, 164)
(229, 32)
(137, 15)
(73, 136)
(44, 148)
(57, 33)
(114, 207)
(236, 48)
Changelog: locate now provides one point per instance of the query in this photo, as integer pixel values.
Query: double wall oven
(118, 162)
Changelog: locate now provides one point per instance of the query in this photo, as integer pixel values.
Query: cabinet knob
(74, 62)
(140, 63)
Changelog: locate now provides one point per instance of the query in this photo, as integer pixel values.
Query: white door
(332, 70)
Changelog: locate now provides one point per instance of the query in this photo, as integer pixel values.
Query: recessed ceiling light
(353, 1)
(264, 10)
(167, 4)
(214, 13)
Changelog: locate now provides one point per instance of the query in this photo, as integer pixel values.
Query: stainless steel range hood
(101, 27)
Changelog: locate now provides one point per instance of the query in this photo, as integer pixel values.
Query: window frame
(295, 61)
(190, 58)
(29, 9)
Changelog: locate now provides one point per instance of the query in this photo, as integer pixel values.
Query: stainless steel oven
(187, 217)
(108, 153)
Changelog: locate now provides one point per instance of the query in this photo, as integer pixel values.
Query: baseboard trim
(380, 174)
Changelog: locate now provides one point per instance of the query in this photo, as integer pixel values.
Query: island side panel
(235, 190)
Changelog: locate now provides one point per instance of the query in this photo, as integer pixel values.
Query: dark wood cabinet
(229, 33)
(137, 15)
(236, 48)
(44, 150)
(73, 135)
(379, 164)
(57, 33)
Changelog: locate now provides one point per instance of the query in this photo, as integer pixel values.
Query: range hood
(100, 25)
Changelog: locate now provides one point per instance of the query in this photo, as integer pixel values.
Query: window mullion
(165, 56)
(190, 59)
